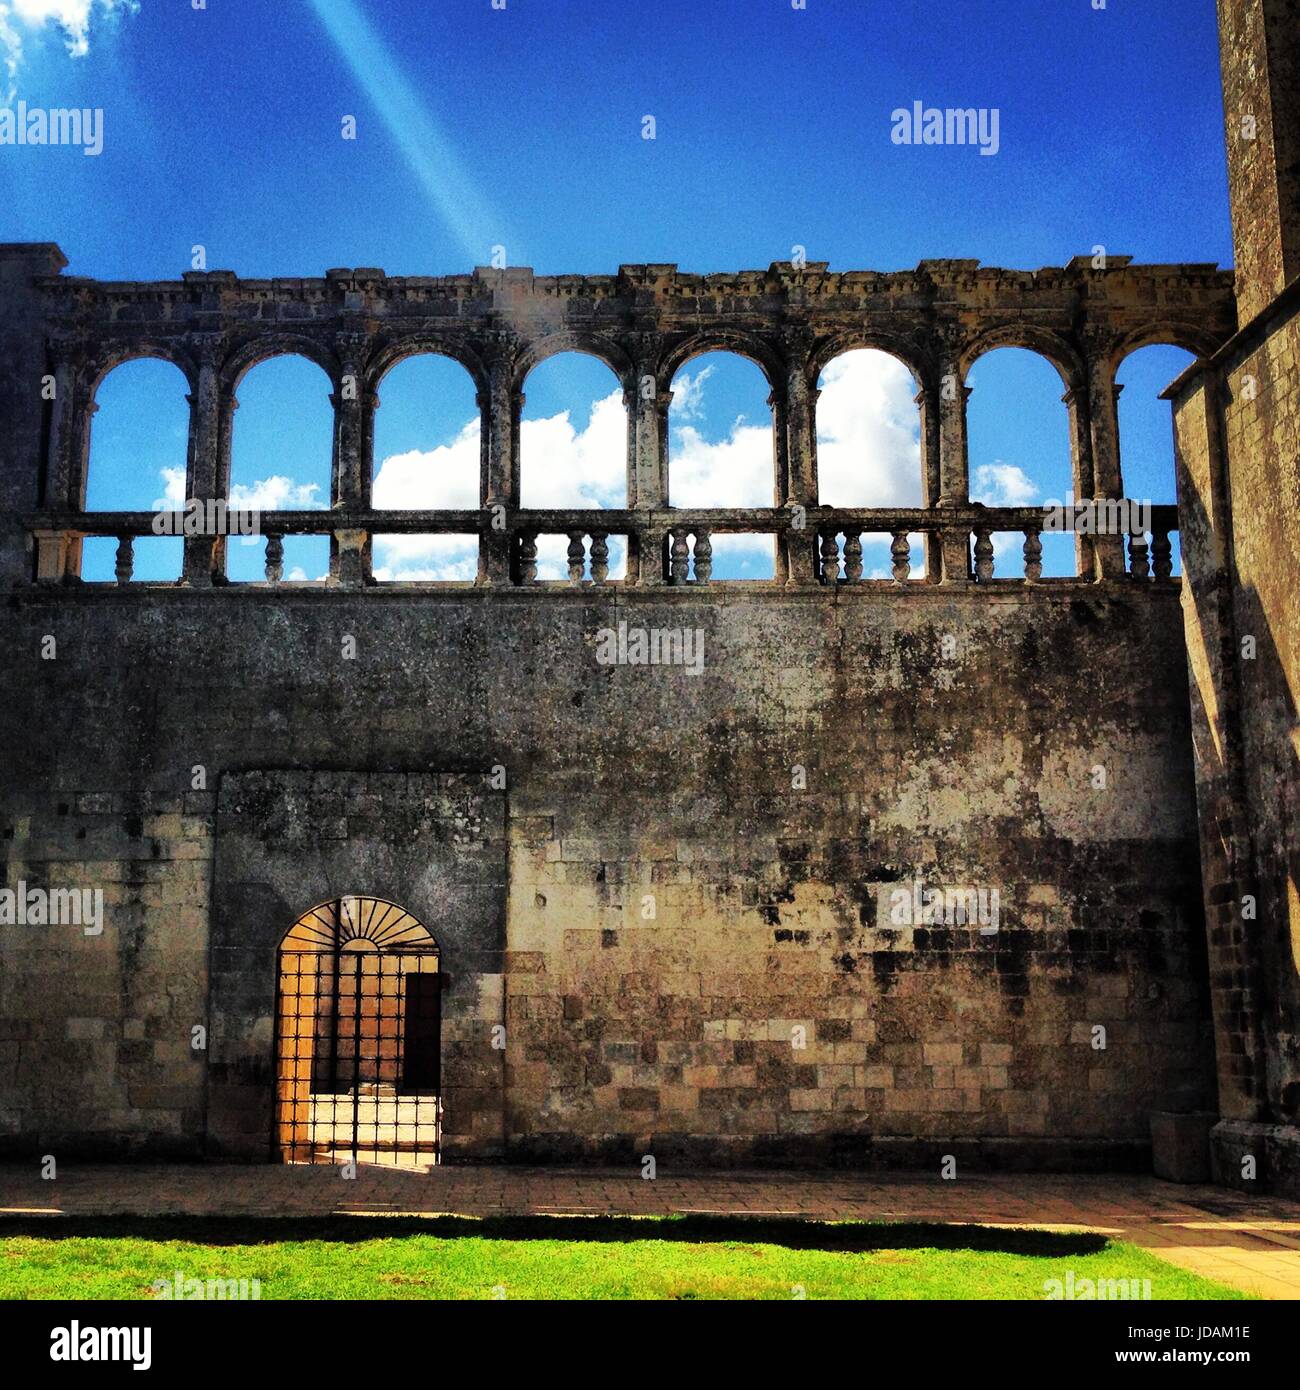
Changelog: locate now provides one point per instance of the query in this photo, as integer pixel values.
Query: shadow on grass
(793, 1234)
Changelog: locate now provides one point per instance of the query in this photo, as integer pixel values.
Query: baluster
(1033, 556)
(125, 565)
(852, 557)
(681, 557)
(599, 557)
(577, 556)
(703, 555)
(900, 551)
(528, 557)
(1138, 564)
(983, 556)
(1162, 554)
(274, 563)
(830, 558)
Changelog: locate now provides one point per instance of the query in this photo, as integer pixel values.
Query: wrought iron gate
(358, 1034)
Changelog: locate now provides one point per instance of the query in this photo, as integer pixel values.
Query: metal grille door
(359, 1022)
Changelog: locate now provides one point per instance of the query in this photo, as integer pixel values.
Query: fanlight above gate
(356, 923)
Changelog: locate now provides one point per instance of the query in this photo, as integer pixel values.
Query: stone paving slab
(1251, 1243)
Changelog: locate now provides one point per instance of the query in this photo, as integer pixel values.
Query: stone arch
(112, 356)
(132, 456)
(863, 429)
(277, 454)
(394, 353)
(752, 346)
(252, 352)
(734, 428)
(1023, 447)
(916, 359)
(428, 452)
(1055, 347)
(585, 386)
(103, 373)
(604, 349)
(1167, 333)
(1144, 421)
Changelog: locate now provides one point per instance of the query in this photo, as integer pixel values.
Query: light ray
(427, 149)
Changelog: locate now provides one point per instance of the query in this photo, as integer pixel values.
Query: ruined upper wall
(644, 322)
(943, 313)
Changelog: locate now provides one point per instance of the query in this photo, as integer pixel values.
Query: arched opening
(1018, 433)
(427, 449)
(139, 441)
(720, 453)
(358, 1024)
(573, 442)
(282, 444)
(869, 446)
(1146, 428)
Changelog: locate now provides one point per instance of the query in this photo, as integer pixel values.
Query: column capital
(797, 340)
(67, 350)
(644, 346)
(951, 341)
(500, 349)
(208, 348)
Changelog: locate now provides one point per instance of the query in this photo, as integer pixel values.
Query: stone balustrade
(672, 546)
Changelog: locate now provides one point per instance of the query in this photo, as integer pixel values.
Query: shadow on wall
(1258, 1023)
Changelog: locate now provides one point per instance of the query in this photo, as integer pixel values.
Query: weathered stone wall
(1238, 435)
(630, 790)
(1261, 97)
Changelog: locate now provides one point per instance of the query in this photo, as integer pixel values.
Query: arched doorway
(358, 1018)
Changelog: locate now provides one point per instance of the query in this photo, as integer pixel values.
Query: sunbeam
(426, 148)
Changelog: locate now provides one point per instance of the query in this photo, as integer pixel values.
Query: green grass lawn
(566, 1257)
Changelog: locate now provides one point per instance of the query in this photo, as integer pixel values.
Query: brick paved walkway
(1251, 1243)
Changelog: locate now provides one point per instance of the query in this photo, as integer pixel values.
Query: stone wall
(1261, 97)
(1237, 426)
(695, 961)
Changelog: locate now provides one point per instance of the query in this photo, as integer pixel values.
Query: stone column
(800, 457)
(53, 559)
(780, 472)
(502, 407)
(1103, 433)
(68, 367)
(930, 476)
(647, 409)
(353, 463)
(954, 461)
(1081, 471)
(205, 555)
(647, 406)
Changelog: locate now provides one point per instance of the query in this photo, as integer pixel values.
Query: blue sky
(478, 127)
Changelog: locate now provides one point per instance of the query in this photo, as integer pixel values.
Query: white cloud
(733, 472)
(275, 494)
(73, 18)
(688, 393)
(426, 478)
(432, 557)
(868, 433)
(1003, 485)
(173, 491)
(868, 448)
(564, 467)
